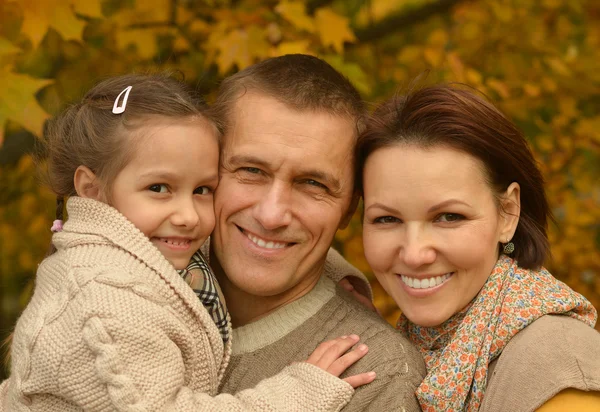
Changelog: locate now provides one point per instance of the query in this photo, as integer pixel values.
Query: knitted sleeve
(338, 268)
(400, 370)
(138, 357)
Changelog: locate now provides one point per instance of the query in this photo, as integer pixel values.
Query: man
(287, 184)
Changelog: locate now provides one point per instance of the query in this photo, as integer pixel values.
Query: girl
(112, 325)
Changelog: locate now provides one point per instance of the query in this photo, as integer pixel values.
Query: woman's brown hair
(461, 119)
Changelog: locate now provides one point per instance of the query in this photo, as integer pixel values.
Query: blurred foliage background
(538, 60)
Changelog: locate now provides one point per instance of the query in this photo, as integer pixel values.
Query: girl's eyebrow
(158, 174)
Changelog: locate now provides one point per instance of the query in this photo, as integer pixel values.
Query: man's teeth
(266, 245)
(425, 283)
(175, 242)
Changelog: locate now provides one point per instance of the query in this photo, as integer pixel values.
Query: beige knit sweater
(289, 334)
(112, 327)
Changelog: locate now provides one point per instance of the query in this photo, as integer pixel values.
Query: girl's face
(166, 190)
(431, 228)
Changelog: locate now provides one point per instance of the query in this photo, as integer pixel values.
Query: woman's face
(431, 228)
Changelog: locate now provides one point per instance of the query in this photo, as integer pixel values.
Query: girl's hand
(331, 356)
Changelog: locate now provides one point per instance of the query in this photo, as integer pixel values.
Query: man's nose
(273, 209)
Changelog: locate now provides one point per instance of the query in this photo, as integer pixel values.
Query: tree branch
(397, 21)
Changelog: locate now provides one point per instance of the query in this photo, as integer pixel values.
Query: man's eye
(386, 219)
(159, 188)
(449, 217)
(253, 170)
(203, 190)
(315, 183)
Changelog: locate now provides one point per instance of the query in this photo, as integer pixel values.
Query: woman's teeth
(425, 283)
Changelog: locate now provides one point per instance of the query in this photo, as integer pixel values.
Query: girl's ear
(86, 184)
(510, 210)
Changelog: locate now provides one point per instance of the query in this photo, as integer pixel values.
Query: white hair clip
(120, 109)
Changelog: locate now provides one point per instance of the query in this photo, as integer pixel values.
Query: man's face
(286, 186)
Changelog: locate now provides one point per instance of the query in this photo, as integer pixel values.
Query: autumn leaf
(293, 47)
(351, 70)
(18, 103)
(333, 29)
(39, 16)
(139, 26)
(241, 48)
(7, 52)
(295, 13)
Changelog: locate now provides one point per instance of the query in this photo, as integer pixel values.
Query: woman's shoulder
(553, 353)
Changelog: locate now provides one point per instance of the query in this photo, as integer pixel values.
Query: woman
(455, 231)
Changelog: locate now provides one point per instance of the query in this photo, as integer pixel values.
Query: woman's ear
(510, 211)
(86, 184)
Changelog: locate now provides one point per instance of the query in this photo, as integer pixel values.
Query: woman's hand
(366, 302)
(332, 356)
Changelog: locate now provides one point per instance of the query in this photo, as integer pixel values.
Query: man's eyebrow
(247, 159)
(328, 179)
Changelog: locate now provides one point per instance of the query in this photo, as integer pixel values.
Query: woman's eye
(386, 219)
(202, 190)
(449, 217)
(159, 188)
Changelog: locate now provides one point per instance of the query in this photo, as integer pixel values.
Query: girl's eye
(386, 219)
(449, 217)
(202, 190)
(159, 188)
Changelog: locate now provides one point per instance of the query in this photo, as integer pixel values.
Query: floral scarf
(457, 353)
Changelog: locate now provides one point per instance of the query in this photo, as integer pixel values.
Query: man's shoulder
(398, 364)
(386, 344)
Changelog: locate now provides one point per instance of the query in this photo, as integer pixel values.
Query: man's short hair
(300, 81)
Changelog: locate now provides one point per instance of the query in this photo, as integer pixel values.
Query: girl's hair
(463, 120)
(90, 134)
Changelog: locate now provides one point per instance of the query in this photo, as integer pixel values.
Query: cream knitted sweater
(112, 327)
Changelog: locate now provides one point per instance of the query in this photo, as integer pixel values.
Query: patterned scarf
(204, 284)
(457, 353)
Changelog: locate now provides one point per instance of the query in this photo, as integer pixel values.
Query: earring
(509, 247)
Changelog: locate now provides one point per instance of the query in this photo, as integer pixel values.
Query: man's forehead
(262, 117)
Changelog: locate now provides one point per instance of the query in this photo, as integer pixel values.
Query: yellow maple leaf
(7, 52)
(130, 29)
(333, 29)
(233, 50)
(18, 103)
(295, 13)
(351, 70)
(241, 48)
(292, 47)
(38, 16)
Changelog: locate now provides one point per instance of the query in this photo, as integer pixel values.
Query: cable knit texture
(292, 332)
(112, 326)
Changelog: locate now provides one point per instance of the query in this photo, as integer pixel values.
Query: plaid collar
(201, 279)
